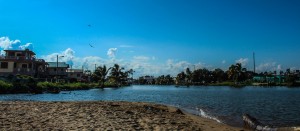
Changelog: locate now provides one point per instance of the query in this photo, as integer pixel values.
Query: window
(62, 70)
(4, 65)
(24, 65)
(54, 69)
(78, 75)
(15, 65)
(30, 65)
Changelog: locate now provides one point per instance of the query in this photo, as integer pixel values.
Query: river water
(278, 106)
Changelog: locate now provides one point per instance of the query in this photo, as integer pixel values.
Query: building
(75, 74)
(22, 62)
(57, 70)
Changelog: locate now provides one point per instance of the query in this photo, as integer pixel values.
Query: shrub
(5, 87)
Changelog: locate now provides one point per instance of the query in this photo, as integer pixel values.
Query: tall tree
(117, 74)
(188, 76)
(101, 72)
(234, 72)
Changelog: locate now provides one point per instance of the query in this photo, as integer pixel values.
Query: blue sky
(156, 36)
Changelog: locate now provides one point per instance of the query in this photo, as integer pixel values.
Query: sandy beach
(27, 115)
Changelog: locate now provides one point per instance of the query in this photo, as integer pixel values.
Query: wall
(9, 69)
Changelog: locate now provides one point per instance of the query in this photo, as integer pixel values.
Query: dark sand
(25, 115)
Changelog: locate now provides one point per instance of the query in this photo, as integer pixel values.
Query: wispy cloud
(224, 62)
(269, 66)
(126, 46)
(243, 61)
(112, 52)
(26, 46)
(141, 58)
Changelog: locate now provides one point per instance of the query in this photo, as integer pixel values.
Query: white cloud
(126, 46)
(243, 61)
(269, 66)
(142, 65)
(141, 58)
(69, 57)
(6, 43)
(26, 46)
(112, 52)
(279, 67)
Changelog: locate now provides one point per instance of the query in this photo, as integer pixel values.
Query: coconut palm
(234, 72)
(188, 76)
(101, 72)
(180, 79)
(117, 74)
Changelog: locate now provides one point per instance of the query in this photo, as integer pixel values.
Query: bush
(48, 86)
(5, 87)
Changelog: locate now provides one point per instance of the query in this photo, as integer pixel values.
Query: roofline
(20, 51)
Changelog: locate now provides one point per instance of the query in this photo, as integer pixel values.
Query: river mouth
(277, 106)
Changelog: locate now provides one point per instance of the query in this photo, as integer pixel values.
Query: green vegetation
(5, 87)
(26, 84)
(235, 76)
(117, 76)
(30, 85)
(50, 87)
(20, 84)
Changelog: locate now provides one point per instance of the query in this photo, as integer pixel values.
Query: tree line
(235, 75)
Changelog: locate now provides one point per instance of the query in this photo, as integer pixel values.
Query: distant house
(57, 70)
(269, 79)
(22, 62)
(75, 74)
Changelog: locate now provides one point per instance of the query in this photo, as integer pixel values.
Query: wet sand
(27, 115)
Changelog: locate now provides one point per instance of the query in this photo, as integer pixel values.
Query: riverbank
(28, 115)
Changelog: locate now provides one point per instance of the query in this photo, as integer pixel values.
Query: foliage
(25, 84)
(49, 86)
(5, 87)
(100, 75)
(117, 76)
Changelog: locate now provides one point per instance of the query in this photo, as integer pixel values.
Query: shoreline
(103, 115)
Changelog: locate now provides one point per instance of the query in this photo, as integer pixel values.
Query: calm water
(277, 106)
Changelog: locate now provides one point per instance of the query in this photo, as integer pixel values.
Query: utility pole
(254, 62)
(57, 67)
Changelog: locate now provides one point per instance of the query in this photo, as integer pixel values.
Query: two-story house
(57, 70)
(76, 74)
(22, 62)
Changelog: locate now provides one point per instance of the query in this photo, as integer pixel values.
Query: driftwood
(252, 123)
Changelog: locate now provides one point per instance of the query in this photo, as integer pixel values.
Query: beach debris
(178, 111)
(153, 109)
(252, 123)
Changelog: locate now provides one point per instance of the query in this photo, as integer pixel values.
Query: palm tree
(180, 79)
(188, 76)
(116, 73)
(102, 72)
(131, 73)
(234, 72)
